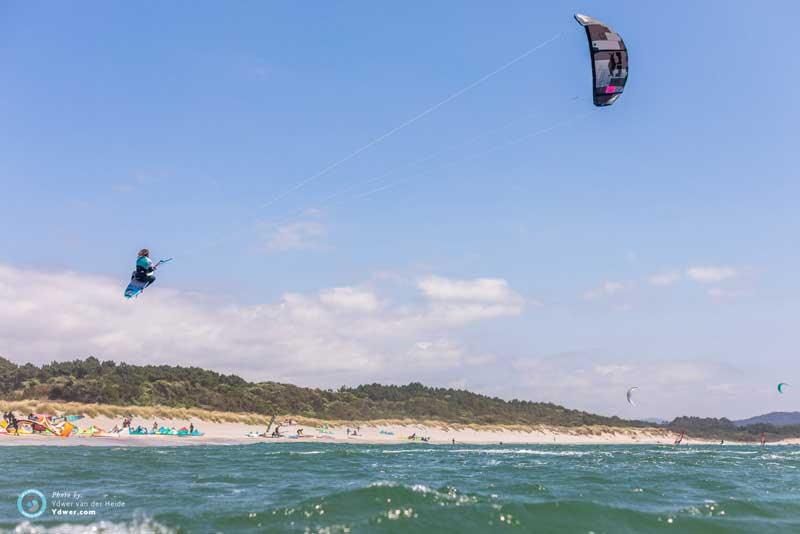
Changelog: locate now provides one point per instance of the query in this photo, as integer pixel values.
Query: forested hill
(93, 381)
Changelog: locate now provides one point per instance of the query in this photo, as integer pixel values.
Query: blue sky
(653, 241)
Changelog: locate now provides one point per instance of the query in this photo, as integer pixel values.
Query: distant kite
(609, 60)
(629, 395)
(781, 386)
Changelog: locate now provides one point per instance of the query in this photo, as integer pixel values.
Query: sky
(357, 192)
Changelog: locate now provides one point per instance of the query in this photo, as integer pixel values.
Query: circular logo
(31, 503)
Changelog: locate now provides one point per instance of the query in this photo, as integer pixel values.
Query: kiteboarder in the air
(144, 275)
(144, 268)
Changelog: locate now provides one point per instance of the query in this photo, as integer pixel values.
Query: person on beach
(14, 423)
(155, 428)
(191, 428)
(9, 419)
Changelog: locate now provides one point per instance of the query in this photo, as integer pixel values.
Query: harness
(143, 274)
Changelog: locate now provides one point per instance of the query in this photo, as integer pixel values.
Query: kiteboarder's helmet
(144, 252)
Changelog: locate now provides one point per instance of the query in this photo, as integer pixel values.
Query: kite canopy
(629, 395)
(781, 386)
(609, 60)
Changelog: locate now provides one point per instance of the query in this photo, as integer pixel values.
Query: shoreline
(227, 428)
(368, 433)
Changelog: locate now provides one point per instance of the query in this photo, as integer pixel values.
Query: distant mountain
(772, 418)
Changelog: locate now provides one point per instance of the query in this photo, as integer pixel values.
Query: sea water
(332, 488)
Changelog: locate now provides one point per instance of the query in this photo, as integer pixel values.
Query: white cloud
(711, 274)
(608, 289)
(612, 369)
(300, 235)
(720, 293)
(334, 336)
(491, 290)
(462, 301)
(665, 279)
(350, 299)
(438, 353)
(462, 313)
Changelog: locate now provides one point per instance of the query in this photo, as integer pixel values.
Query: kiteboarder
(144, 275)
(144, 268)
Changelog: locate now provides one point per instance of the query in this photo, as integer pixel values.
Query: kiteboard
(134, 288)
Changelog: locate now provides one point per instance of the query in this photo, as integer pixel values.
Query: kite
(629, 395)
(609, 60)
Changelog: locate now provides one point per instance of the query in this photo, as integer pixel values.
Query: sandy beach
(236, 433)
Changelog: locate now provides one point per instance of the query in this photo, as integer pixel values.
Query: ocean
(332, 488)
